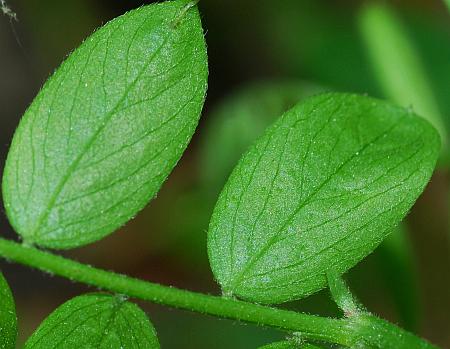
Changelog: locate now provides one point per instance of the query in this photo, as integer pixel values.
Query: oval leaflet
(319, 191)
(107, 128)
(95, 321)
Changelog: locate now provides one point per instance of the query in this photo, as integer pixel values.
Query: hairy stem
(347, 332)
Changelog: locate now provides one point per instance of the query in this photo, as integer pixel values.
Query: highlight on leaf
(107, 128)
(96, 321)
(319, 191)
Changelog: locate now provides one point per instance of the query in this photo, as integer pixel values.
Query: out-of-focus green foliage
(431, 40)
(448, 3)
(397, 64)
(319, 40)
(316, 40)
(198, 332)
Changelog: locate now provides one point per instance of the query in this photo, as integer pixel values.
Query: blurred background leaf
(398, 65)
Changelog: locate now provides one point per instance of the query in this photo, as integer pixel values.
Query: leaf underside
(319, 191)
(8, 319)
(107, 128)
(95, 321)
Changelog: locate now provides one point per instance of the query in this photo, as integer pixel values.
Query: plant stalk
(347, 332)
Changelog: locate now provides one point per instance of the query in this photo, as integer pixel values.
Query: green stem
(345, 332)
(341, 294)
(313, 327)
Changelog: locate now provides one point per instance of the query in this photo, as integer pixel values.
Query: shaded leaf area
(319, 191)
(107, 128)
(8, 319)
(95, 321)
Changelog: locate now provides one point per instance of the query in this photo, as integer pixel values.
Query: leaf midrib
(76, 162)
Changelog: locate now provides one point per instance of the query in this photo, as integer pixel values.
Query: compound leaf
(8, 319)
(97, 321)
(319, 191)
(108, 127)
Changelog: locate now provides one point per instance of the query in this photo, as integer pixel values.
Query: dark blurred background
(314, 44)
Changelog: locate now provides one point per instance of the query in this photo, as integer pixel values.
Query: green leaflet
(107, 128)
(95, 321)
(319, 191)
(240, 119)
(8, 319)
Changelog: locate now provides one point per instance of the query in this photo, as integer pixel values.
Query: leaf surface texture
(107, 128)
(319, 191)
